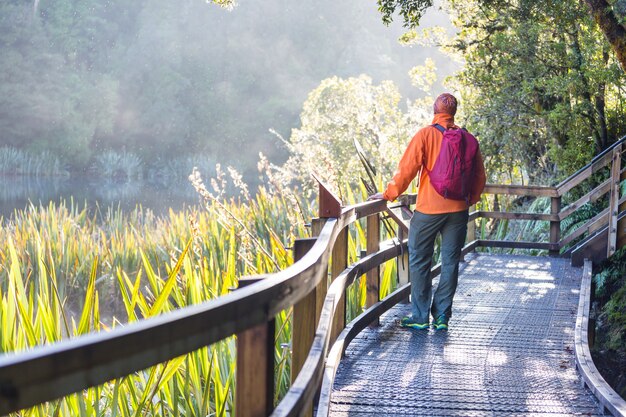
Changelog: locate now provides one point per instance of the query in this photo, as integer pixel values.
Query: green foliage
(610, 16)
(611, 275)
(133, 266)
(119, 166)
(610, 282)
(410, 10)
(19, 162)
(541, 84)
(68, 273)
(337, 113)
(81, 77)
(541, 87)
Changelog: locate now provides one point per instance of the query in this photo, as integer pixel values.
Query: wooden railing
(49, 372)
(601, 244)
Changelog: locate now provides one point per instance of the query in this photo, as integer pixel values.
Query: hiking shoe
(409, 322)
(441, 323)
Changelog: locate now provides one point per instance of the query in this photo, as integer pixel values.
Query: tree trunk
(600, 102)
(615, 33)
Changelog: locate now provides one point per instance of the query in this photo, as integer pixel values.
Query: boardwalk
(509, 350)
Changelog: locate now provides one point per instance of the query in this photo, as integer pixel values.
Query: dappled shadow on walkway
(509, 350)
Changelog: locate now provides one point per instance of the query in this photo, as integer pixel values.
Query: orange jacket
(423, 151)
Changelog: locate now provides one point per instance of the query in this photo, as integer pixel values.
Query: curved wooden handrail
(49, 372)
(607, 396)
(305, 385)
(598, 161)
(357, 325)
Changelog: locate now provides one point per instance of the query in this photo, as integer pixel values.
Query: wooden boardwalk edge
(606, 395)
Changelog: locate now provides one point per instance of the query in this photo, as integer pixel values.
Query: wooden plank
(356, 326)
(515, 245)
(584, 361)
(593, 247)
(600, 161)
(338, 265)
(555, 225)
(304, 321)
(530, 190)
(254, 395)
(621, 223)
(590, 197)
(329, 203)
(321, 289)
(614, 199)
(518, 216)
(303, 389)
(401, 214)
(372, 277)
(621, 231)
(471, 226)
(598, 221)
(594, 224)
(576, 234)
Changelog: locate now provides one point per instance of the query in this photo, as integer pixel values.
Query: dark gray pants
(422, 234)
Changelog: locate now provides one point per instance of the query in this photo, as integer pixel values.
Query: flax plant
(68, 270)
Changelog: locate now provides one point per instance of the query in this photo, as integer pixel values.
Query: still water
(16, 193)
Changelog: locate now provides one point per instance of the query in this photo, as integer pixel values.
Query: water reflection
(16, 193)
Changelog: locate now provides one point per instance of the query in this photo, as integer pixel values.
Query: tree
(611, 18)
(609, 15)
(336, 113)
(539, 86)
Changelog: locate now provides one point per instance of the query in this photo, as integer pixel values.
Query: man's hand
(377, 196)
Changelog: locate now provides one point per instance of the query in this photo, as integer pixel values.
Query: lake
(18, 192)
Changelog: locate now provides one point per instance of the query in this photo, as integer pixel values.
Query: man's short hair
(445, 103)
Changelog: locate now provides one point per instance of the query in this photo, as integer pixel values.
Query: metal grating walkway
(509, 350)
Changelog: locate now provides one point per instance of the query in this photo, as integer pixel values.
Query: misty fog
(165, 85)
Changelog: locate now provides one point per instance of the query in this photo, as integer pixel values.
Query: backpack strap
(439, 127)
(443, 129)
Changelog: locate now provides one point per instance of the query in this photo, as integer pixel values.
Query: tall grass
(66, 271)
(15, 161)
(121, 166)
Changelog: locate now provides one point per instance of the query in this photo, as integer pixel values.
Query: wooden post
(254, 395)
(322, 288)
(621, 227)
(304, 318)
(330, 206)
(616, 167)
(372, 277)
(555, 226)
(471, 226)
(402, 264)
(339, 263)
(304, 321)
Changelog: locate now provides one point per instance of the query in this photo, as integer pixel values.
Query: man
(433, 214)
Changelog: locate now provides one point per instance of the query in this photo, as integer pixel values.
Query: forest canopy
(542, 83)
(162, 79)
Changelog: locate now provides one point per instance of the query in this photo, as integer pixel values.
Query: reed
(19, 162)
(67, 271)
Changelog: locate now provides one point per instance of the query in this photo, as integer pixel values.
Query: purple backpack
(453, 173)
